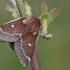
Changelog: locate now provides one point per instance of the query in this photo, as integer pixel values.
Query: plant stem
(35, 60)
(20, 8)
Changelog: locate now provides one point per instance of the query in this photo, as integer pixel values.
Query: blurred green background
(53, 54)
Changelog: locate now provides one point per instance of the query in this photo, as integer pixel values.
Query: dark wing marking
(11, 45)
(24, 47)
(11, 31)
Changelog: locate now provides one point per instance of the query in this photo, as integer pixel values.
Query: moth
(21, 34)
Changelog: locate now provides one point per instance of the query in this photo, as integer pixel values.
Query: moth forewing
(24, 47)
(12, 31)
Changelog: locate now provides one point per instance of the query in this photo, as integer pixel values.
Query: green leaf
(53, 13)
(27, 8)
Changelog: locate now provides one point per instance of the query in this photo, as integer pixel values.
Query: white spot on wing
(12, 26)
(24, 21)
(34, 33)
(29, 44)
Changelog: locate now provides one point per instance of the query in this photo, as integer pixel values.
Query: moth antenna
(63, 3)
(50, 28)
(36, 10)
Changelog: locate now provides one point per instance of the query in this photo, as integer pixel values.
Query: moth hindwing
(21, 35)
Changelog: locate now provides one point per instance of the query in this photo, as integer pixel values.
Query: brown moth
(21, 34)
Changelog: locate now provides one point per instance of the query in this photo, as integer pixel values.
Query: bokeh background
(53, 54)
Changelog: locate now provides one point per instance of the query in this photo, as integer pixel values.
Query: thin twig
(35, 60)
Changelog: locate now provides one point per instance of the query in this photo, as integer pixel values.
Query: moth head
(36, 25)
(32, 23)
